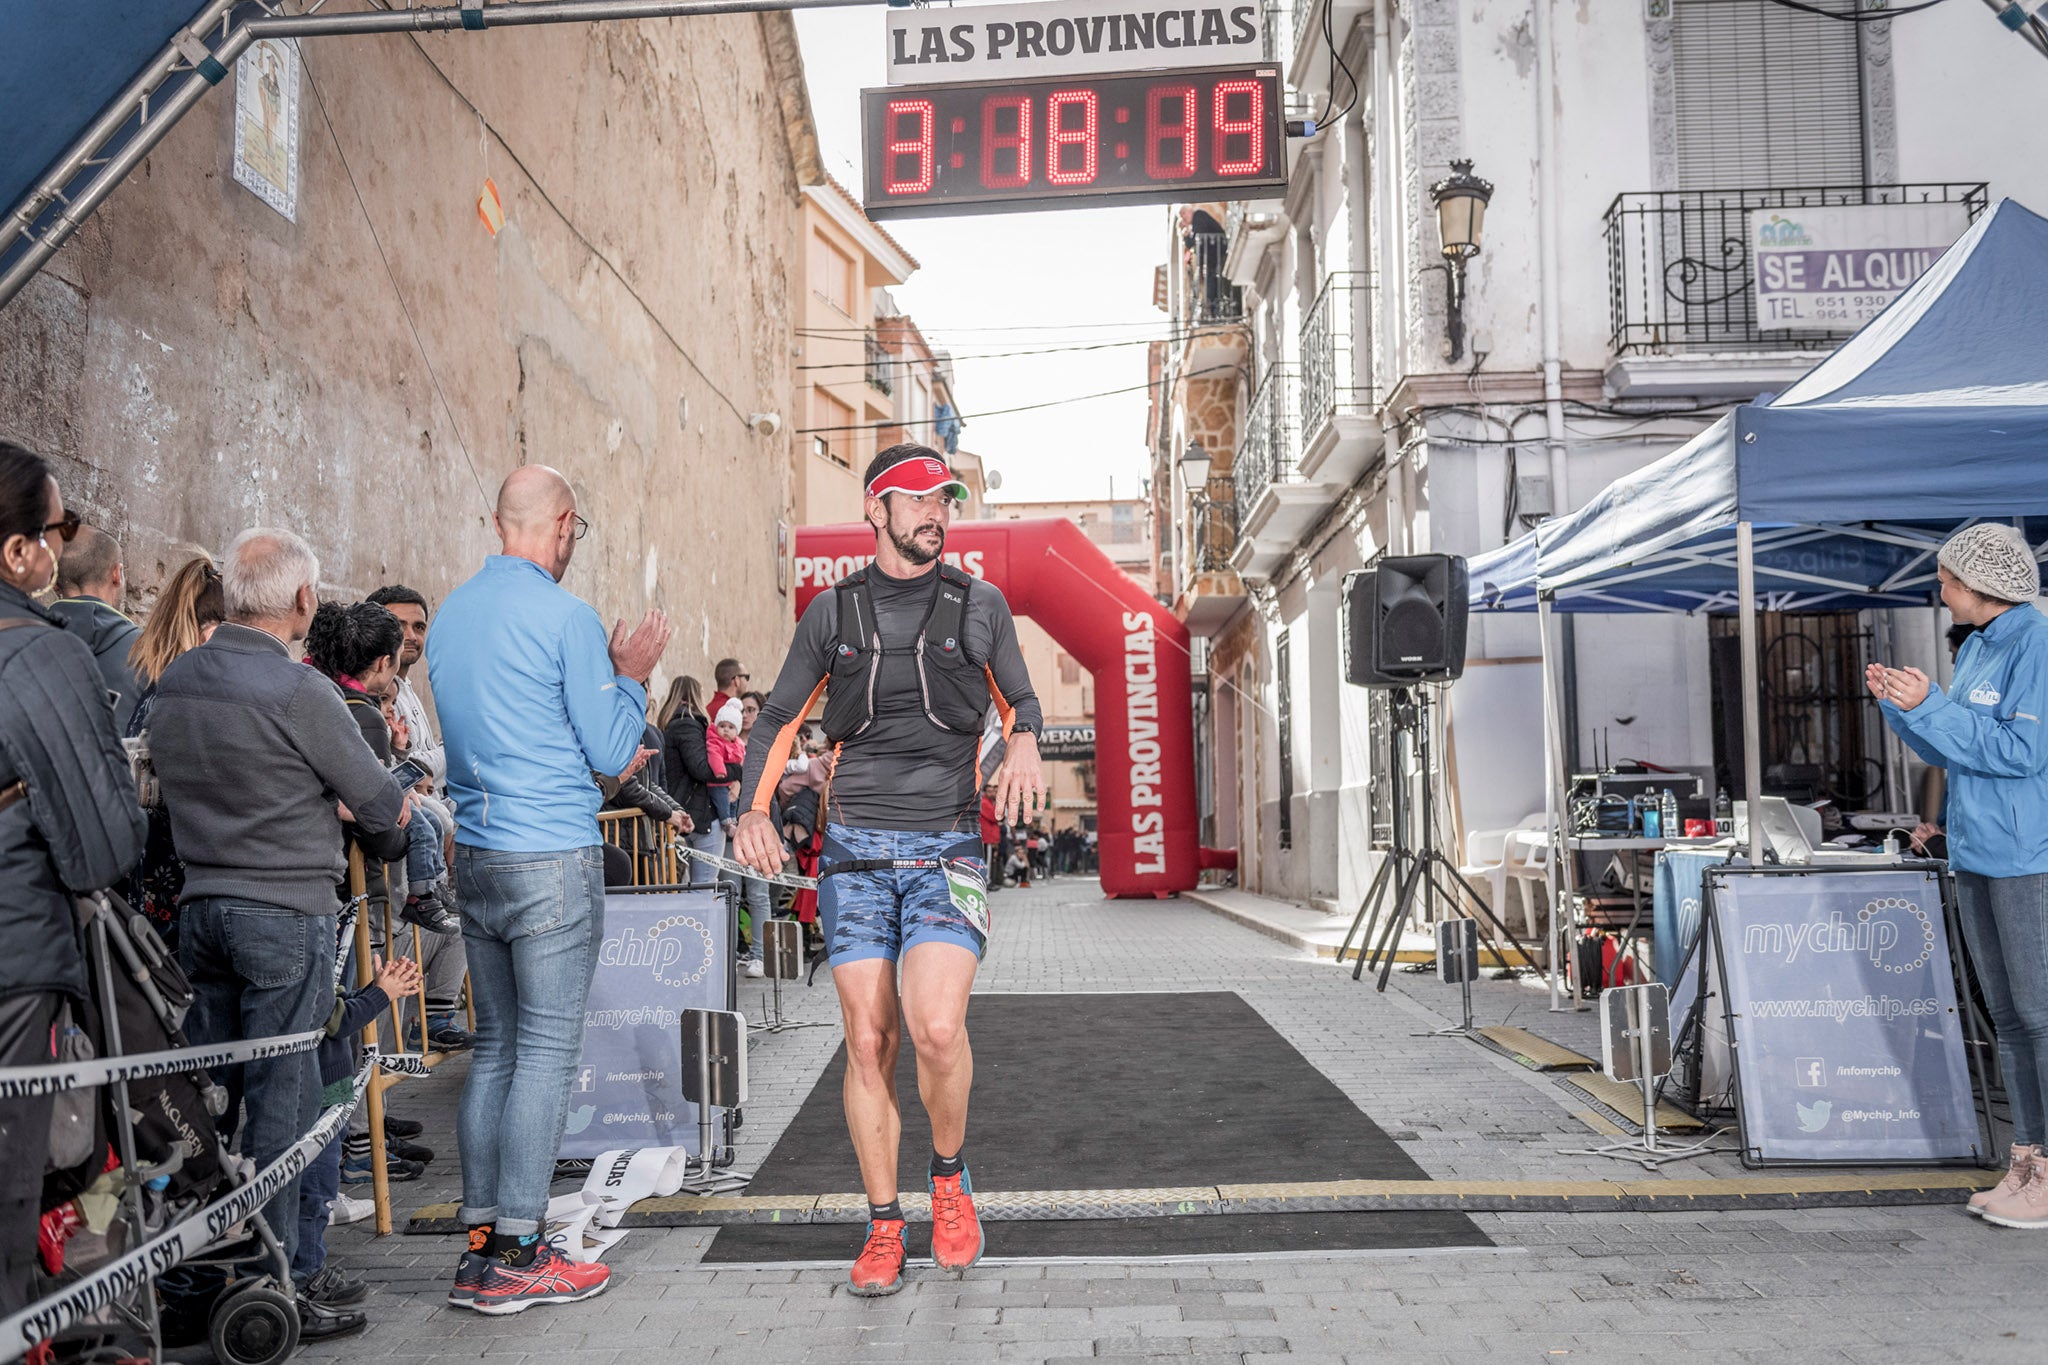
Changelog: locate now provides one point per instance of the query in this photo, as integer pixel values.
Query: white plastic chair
(1503, 857)
(1525, 865)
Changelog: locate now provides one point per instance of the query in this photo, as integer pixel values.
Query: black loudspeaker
(1404, 621)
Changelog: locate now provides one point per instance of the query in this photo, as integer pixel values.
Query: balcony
(1277, 505)
(1212, 592)
(1250, 228)
(1212, 299)
(880, 365)
(1681, 286)
(1340, 432)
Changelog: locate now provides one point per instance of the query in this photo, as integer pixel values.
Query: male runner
(910, 654)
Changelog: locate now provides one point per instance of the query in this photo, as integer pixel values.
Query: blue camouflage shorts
(880, 913)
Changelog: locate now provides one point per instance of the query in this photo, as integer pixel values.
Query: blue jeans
(2005, 924)
(258, 971)
(531, 923)
(710, 840)
(424, 864)
(318, 1184)
(753, 896)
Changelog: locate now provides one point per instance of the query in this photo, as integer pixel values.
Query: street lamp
(1460, 200)
(1194, 466)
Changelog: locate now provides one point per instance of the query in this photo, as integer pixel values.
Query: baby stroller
(237, 1293)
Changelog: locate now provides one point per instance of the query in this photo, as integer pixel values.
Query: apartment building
(846, 378)
(1340, 385)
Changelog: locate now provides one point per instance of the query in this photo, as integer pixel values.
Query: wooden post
(380, 1175)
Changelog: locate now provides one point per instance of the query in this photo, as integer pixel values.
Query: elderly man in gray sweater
(260, 764)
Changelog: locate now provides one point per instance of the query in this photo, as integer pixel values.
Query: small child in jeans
(728, 755)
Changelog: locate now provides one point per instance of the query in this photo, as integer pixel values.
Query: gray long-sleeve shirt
(252, 749)
(902, 772)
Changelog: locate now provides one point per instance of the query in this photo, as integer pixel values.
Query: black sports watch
(1024, 727)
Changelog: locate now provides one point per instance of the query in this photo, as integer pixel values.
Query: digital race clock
(993, 147)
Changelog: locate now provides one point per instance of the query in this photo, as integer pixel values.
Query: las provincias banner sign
(1070, 37)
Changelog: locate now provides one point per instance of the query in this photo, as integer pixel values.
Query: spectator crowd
(214, 766)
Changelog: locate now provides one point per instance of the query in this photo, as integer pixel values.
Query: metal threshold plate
(1649, 1195)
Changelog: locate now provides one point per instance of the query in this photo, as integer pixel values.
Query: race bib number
(968, 885)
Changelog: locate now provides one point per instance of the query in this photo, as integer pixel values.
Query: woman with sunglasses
(68, 824)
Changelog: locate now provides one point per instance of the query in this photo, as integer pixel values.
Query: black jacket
(644, 791)
(687, 764)
(79, 828)
(389, 845)
(109, 635)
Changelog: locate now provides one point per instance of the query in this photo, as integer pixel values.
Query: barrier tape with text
(128, 1274)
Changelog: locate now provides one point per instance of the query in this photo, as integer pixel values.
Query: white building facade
(1609, 316)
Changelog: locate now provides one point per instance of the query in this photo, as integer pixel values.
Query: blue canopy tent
(1837, 492)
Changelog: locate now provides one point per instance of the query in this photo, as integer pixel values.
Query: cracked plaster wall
(195, 363)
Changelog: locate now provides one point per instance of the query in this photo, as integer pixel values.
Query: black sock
(891, 1212)
(520, 1250)
(949, 1165)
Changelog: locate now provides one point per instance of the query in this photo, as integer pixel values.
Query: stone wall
(196, 363)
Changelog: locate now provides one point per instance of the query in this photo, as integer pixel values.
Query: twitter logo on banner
(581, 1115)
(1814, 1117)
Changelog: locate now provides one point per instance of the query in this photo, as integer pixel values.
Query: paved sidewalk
(1881, 1284)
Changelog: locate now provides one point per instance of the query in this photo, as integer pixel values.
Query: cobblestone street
(1897, 1284)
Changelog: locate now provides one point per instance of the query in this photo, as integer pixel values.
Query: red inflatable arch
(1144, 721)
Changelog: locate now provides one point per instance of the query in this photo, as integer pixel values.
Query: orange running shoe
(878, 1270)
(956, 1228)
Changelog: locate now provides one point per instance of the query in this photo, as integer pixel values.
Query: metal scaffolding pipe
(209, 70)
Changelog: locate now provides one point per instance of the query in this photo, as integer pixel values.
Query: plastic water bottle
(1667, 815)
(1648, 817)
(1724, 814)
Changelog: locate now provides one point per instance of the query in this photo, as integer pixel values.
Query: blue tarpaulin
(61, 63)
(1935, 414)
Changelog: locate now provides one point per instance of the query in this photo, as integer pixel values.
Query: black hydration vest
(953, 687)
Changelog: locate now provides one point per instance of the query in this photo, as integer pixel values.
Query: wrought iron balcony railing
(1212, 298)
(1266, 454)
(1679, 275)
(1335, 345)
(881, 372)
(1212, 528)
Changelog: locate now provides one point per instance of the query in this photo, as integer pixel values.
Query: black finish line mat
(1099, 1092)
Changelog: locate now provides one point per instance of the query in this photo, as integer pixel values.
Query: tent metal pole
(1553, 825)
(1752, 719)
(105, 172)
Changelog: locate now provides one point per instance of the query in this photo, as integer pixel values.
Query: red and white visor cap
(917, 476)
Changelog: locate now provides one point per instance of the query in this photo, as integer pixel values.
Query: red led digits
(1252, 128)
(993, 141)
(1159, 132)
(1062, 132)
(920, 115)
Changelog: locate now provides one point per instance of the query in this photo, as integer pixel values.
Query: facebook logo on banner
(1810, 1072)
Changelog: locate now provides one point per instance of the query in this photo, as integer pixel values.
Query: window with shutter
(1766, 95)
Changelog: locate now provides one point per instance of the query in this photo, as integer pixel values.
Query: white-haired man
(253, 751)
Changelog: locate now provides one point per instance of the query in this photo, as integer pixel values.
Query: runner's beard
(911, 549)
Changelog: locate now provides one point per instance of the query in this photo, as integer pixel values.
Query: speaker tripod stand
(1412, 876)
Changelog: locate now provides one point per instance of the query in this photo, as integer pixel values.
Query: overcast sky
(994, 283)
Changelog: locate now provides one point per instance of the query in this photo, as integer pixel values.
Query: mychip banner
(1841, 1003)
(662, 952)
